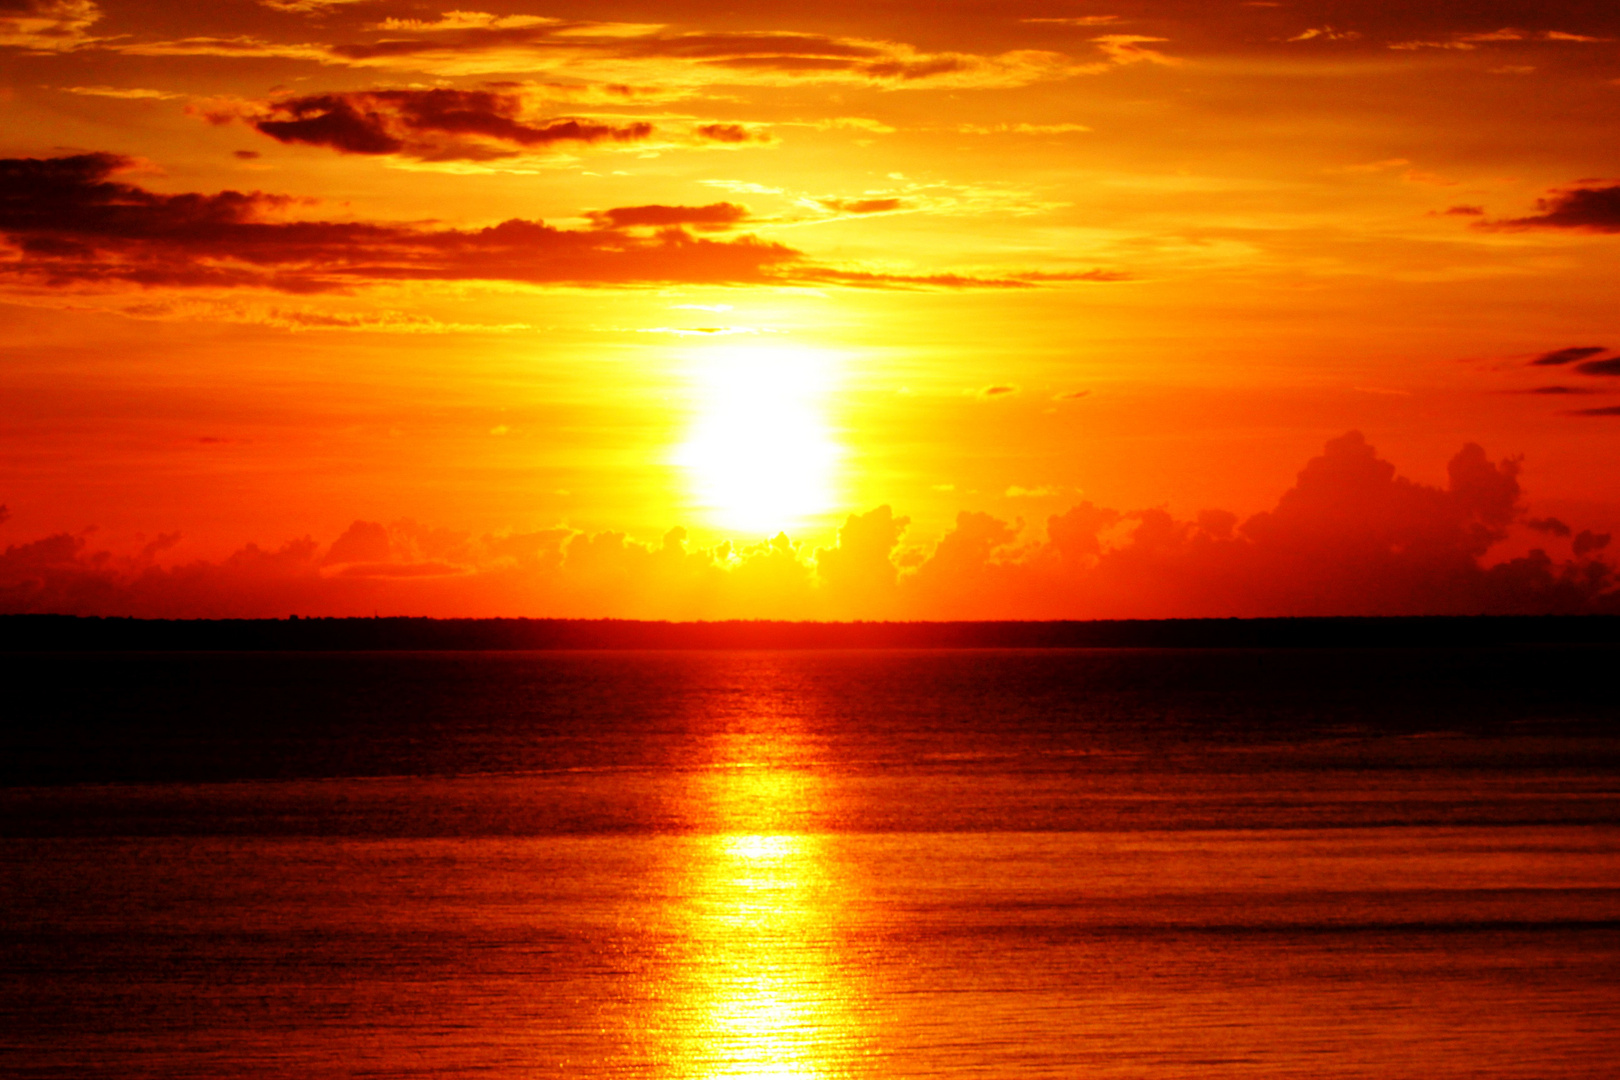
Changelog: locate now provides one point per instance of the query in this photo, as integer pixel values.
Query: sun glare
(759, 455)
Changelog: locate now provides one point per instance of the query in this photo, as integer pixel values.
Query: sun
(759, 455)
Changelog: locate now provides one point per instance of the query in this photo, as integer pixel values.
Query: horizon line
(46, 632)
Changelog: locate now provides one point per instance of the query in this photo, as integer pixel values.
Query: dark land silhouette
(74, 633)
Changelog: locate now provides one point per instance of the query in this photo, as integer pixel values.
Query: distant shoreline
(51, 633)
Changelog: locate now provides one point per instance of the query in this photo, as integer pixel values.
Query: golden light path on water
(762, 1004)
(759, 455)
(768, 994)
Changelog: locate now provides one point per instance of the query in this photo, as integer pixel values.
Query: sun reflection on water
(767, 995)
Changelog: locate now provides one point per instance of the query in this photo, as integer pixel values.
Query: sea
(1136, 863)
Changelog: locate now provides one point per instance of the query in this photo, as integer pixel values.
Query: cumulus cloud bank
(1351, 537)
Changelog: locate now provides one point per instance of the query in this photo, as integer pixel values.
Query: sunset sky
(946, 309)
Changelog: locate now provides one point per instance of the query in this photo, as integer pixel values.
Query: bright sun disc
(759, 455)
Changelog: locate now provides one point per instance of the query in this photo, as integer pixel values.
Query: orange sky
(334, 306)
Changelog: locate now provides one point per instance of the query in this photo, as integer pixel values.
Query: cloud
(1351, 537)
(1587, 542)
(1580, 209)
(1078, 20)
(851, 123)
(731, 134)
(307, 7)
(1467, 41)
(884, 205)
(1608, 366)
(1567, 356)
(1325, 33)
(128, 93)
(362, 542)
(859, 571)
(71, 223)
(997, 391)
(876, 279)
(1607, 410)
(715, 216)
(1557, 390)
(1021, 129)
(47, 26)
(476, 43)
(1128, 49)
(178, 308)
(427, 125)
(480, 20)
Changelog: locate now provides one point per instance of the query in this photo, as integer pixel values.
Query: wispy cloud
(475, 43)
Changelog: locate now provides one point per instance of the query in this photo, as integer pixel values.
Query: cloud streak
(71, 222)
(474, 43)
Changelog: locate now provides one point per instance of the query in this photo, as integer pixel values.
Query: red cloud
(1349, 538)
(430, 125)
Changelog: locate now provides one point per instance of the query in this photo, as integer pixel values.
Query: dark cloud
(1464, 211)
(1566, 356)
(245, 155)
(430, 125)
(1607, 410)
(73, 223)
(1550, 525)
(1556, 390)
(1586, 542)
(1582, 209)
(1609, 366)
(998, 391)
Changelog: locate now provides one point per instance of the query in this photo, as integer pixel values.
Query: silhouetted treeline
(67, 632)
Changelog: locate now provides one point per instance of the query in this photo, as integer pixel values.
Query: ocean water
(1132, 863)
